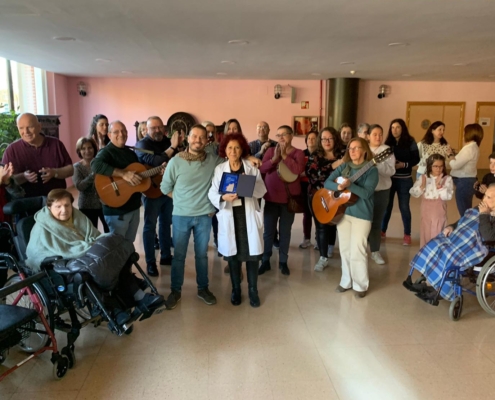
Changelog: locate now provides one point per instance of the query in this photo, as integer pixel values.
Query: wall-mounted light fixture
(82, 89)
(278, 91)
(382, 91)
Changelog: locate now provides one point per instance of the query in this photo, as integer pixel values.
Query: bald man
(41, 163)
(112, 161)
(263, 143)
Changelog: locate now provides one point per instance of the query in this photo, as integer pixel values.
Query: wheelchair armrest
(47, 263)
(81, 277)
(22, 284)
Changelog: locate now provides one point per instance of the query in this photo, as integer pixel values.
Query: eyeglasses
(327, 139)
(355, 148)
(282, 135)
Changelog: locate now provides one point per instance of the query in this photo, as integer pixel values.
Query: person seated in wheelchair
(463, 244)
(62, 230)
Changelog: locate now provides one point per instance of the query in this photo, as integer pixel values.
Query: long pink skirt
(433, 219)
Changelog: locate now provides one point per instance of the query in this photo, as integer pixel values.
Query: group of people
(191, 200)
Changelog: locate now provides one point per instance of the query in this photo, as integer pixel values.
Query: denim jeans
(125, 225)
(274, 212)
(160, 210)
(464, 192)
(182, 227)
(401, 186)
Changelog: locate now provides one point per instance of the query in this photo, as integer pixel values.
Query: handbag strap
(289, 196)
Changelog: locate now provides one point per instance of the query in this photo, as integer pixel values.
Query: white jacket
(225, 215)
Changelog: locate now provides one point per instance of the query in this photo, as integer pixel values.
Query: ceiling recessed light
(398, 44)
(64, 38)
(347, 63)
(460, 65)
(102, 60)
(238, 41)
(221, 73)
(227, 62)
(316, 74)
(352, 72)
(406, 75)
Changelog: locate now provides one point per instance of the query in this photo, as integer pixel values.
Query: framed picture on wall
(304, 124)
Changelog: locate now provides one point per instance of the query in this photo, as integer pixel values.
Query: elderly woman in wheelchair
(87, 275)
(455, 254)
(64, 231)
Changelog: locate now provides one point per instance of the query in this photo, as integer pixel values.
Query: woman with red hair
(240, 219)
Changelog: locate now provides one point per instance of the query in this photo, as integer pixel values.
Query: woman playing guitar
(355, 225)
(321, 163)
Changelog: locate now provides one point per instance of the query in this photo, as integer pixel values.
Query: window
(28, 88)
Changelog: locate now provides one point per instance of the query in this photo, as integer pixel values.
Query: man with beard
(187, 180)
(158, 209)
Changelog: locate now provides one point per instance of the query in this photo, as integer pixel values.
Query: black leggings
(93, 215)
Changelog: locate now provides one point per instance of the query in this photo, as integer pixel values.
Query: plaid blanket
(463, 248)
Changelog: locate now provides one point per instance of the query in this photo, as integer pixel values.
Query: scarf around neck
(351, 166)
(185, 155)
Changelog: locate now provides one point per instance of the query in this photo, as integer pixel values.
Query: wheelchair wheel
(69, 353)
(485, 287)
(60, 367)
(34, 341)
(455, 309)
(420, 280)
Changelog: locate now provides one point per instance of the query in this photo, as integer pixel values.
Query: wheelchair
(18, 323)
(481, 277)
(69, 301)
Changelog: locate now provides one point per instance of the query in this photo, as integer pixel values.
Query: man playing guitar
(111, 161)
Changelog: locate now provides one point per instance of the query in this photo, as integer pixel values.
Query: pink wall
(215, 100)
(373, 110)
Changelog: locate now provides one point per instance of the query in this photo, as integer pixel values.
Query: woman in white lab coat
(240, 219)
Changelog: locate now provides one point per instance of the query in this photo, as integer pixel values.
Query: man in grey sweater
(187, 180)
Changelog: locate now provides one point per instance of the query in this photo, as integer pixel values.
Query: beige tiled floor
(304, 342)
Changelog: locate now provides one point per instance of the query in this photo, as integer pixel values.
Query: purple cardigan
(274, 185)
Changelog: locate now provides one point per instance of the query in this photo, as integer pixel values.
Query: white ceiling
(288, 39)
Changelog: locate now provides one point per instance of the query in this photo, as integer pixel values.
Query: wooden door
(420, 115)
(485, 116)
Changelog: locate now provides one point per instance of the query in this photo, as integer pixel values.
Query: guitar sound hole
(337, 194)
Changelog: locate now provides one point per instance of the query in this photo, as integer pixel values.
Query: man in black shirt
(159, 208)
(112, 161)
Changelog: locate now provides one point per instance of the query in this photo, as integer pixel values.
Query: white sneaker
(321, 264)
(377, 258)
(330, 251)
(305, 244)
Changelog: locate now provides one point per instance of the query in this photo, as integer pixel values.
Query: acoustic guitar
(115, 191)
(154, 191)
(329, 206)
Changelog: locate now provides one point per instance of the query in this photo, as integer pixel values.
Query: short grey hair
(363, 126)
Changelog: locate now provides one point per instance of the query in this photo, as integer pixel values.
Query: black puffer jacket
(104, 261)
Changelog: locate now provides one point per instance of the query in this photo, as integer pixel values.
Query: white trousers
(353, 241)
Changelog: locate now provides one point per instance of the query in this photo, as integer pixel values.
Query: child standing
(435, 187)
(488, 179)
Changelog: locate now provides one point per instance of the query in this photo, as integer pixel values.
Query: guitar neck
(151, 172)
(363, 170)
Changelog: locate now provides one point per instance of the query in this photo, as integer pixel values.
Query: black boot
(252, 276)
(235, 277)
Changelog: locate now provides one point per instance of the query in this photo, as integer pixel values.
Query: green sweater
(364, 188)
(109, 158)
(190, 182)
